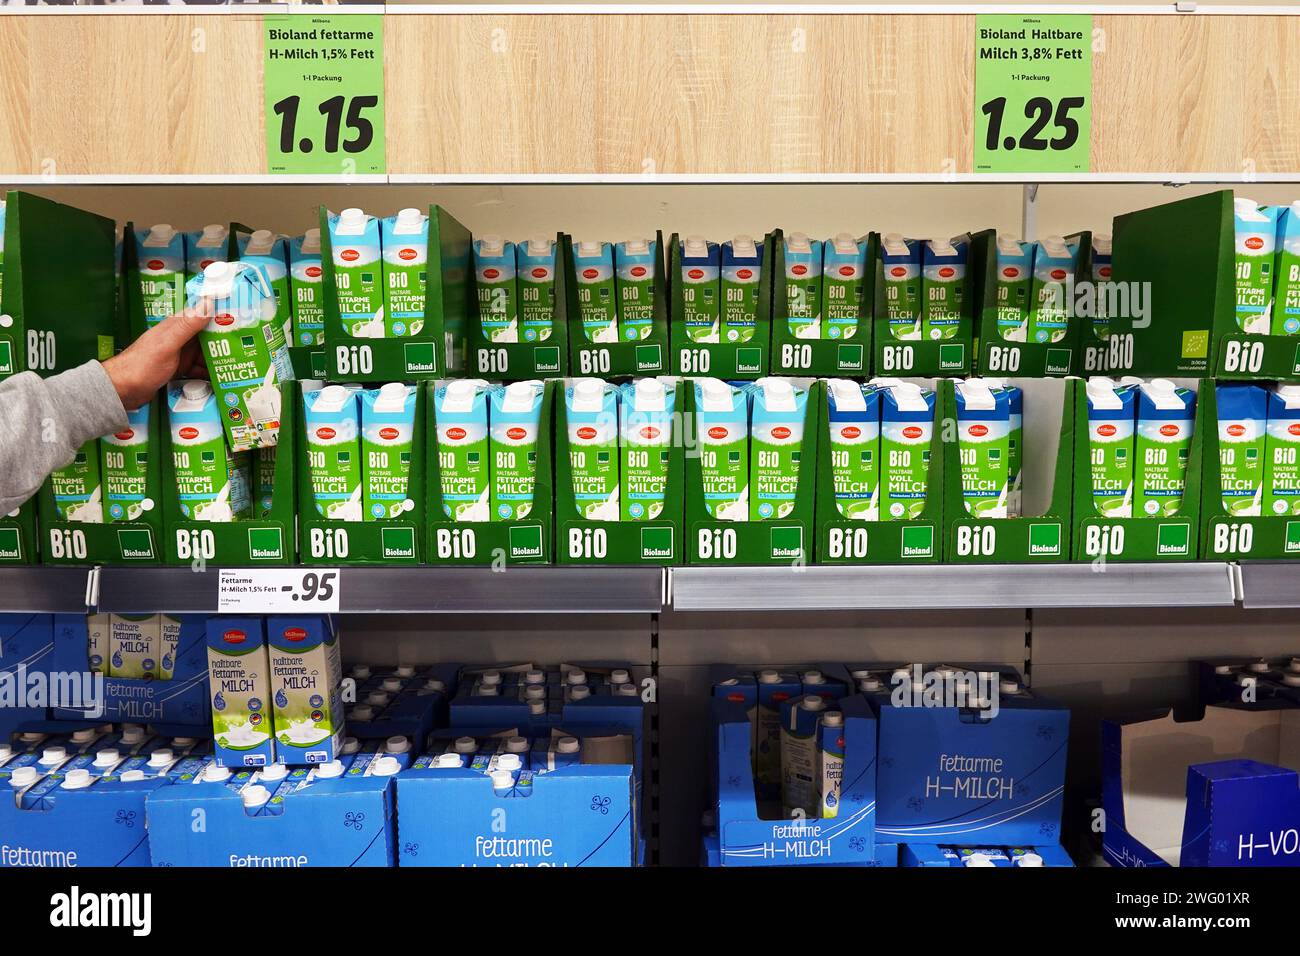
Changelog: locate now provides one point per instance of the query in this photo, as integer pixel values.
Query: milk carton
(169, 641)
(405, 242)
(306, 295)
(774, 689)
(1255, 230)
(776, 447)
(134, 646)
(535, 268)
(634, 271)
(800, 777)
(209, 483)
(239, 678)
(1015, 269)
(358, 273)
(645, 437)
(246, 352)
(943, 275)
(1243, 421)
(263, 484)
(701, 304)
(901, 271)
(462, 411)
(498, 291)
(830, 763)
(803, 285)
(1281, 468)
(1101, 273)
(722, 423)
(269, 255)
(593, 264)
(1015, 448)
(1164, 437)
(77, 487)
(592, 410)
(844, 269)
(1286, 304)
(2, 246)
(1112, 415)
(854, 413)
(741, 274)
(160, 253)
(331, 423)
(97, 639)
(306, 689)
(1049, 314)
(387, 433)
(124, 468)
(514, 415)
(983, 435)
(906, 427)
(204, 247)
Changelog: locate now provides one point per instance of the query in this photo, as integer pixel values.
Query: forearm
(44, 421)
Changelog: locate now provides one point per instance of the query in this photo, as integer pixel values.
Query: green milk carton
(1165, 417)
(1015, 443)
(387, 430)
(901, 269)
(778, 409)
(124, 468)
(1112, 416)
(514, 415)
(702, 312)
(722, 437)
(498, 291)
(160, 252)
(645, 436)
(591, 406)
(741, 276)
(1101, 273)
(983, 443)
(1286, 301)
(844, 271)
(305, 289)
(1015, 270)
(1282, 452)
(593, 264)
(943, 276)
(77, 487)
(906, 427)
(1243, 421)
(1255, 232)
(1049, 308)
(854, 413)
(263, 485)
(535, 269)
(634, 279)
(332, 425)
(461, 407)
(405, 242)
(358, 273)
(209, 484)
(803, 285)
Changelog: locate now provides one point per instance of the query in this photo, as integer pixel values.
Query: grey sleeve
(44, 421)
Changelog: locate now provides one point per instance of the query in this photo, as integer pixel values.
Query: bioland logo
(946, 687)
(74, 690)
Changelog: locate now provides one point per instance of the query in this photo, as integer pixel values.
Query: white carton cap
(402, 670)
(216, 230)
(509, 762)
(311, 241)
(397, 745)
(715, 395)
(539, 245)
(516, 745)
(778, 392)
(847, 394)
(534, 677)
(636, 247)
(84, 736)
(131, 776)
(813, 703)
(576, 676)
(978, 859)
(443, 761)
(183, 742)
(695, 246)
(361, 671)
(941, 246)
(491, 677)
(5, 751)
(329, 770)
(31, 737)
(487, 690)
(377, 698)
(502, 780)
(798, 241)
(769, 677)
(274, 771)
(1101, 243)
(162, 757)
(1259, 666)
(465, 745)
(579, 692)
(107, 758)
(812, 677)
(254, 795)
(833, 718)
(23, 776)
(213, 773)
(392, 684)
(1055, 246)
(350, 746)
(895, 243)
(385, 767)
(51, 755)
(628, 690)
(1246, 208)
(409, 217)
(353, 217)
(77, 779)
(1029, 859)
(649, 395)
(162, 232)
(844, 243)
(1009, 246)
(589, 249)
(362, 712)
(1101, 393)
(568, 745)
(491, 245)
(536, 707)
(619, 675)
(1009, 686)
(534, 692)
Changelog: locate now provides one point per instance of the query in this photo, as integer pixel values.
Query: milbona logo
(234, 637)
(74, 690)
(294, 634)
(970, 690)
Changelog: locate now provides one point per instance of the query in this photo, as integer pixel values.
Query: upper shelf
(758, 95)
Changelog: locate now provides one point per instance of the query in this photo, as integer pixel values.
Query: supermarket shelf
(1269, 584)
(952, 586)
(412, 590)
(38, 590)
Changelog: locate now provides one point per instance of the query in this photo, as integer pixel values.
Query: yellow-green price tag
(1033, 93)
(323, 77)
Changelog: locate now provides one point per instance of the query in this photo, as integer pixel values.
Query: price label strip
(323, 78)
(279, 591)
(1033, 93)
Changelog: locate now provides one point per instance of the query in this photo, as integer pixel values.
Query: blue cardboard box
(181, 700)
(1220, 790)
(961, 775)
(345, 821)
(26, 651)
(932, 854)
(746, 839)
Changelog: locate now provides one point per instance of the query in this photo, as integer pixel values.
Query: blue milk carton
(1282, 452)
(160, 254)
(943, 275)
(741, 282)
(1243, 422)
(702, 314)
(239, 674)
(1112, 419)
(901, 273)
(1015, 266)
(1166, 415)
(853, 410)
(405, 241)
(308, 300)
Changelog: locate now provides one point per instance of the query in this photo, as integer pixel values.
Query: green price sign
(324, 85)
(1033, 93)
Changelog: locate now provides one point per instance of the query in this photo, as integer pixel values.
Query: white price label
(279, 591)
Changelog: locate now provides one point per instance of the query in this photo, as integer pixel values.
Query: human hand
(168, 350)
